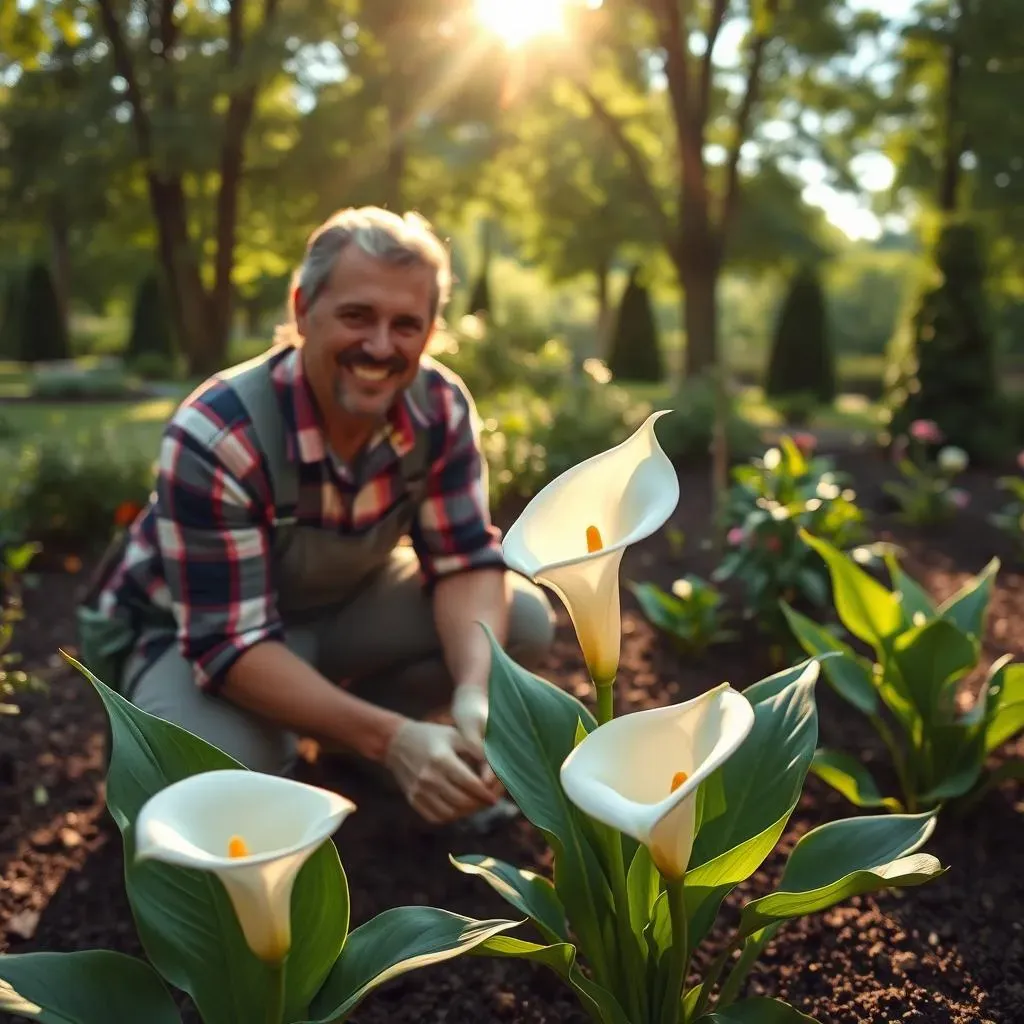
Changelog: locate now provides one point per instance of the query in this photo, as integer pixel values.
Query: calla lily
(639, 773)
(572, 535)
(253, 831)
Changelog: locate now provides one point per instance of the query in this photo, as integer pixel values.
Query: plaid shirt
(201, 550)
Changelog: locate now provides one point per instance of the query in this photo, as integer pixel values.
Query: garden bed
(949, 951)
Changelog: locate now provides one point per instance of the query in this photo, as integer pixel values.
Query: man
(270, 566)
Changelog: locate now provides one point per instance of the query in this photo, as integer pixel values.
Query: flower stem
(605, 702)
(276, 1003)
(680, 952)
(630, 954)
(731, 989)
(713, 974)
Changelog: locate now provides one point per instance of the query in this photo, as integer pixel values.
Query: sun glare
(519, 21)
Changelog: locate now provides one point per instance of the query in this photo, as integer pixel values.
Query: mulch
(951, 951)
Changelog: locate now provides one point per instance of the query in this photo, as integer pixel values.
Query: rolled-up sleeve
(214, 542)
(453, 531)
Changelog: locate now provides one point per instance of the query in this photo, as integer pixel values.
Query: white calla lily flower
(573, 533)
(253, 831)
(639, 773)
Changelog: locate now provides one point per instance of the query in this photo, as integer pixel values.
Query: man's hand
(469, 713)
(427, 761)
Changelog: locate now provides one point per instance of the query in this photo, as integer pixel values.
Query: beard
(369, 397)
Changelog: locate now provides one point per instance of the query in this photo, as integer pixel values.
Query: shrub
(480, 296)
(691, 615)
(634, 354)
(943, 367)
(771, 501)
(926, 496)
(151, 333)
(44, 335)
(801, 360)
(12, 311)
(1010, 517)
(75, 381)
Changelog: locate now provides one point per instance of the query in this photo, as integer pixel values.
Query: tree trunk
(699, 279)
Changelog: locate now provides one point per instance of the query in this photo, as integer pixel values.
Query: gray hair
(403, 241)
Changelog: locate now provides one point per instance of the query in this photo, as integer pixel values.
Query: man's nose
(379, 343)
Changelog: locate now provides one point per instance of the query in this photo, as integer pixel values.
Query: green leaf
(845, 672)
(184, 917)
(748, 800)
(848, 776)
(773, 685)
(757, 1011)
(1004, 706)
(914, 599)
(952, 764)
(869, 611)
(643, 886)
(847, 858)
(392, 944)
(930, 657)
(967, 607)
(94, 986)
(528, 892)
(561, 958)
(661, 608)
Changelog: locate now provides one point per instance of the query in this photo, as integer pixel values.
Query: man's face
(365, 332)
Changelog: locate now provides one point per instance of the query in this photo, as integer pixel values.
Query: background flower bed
(947, 952)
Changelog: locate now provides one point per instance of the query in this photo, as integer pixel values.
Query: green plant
(691, 614)
(15, 558)
(907, 687)
(1010, 518)
(44, 333)
(72, 380)
(772, 499)
(926, 497)
(801, 365)
(255, 935)
(634, 353)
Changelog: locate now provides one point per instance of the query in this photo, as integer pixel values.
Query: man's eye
(353, 316)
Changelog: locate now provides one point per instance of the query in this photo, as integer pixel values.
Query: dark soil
(951, 951)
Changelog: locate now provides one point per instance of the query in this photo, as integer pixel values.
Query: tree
(635, 354)
(43, 334)
(801, 360)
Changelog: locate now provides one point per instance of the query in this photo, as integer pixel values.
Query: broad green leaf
(952, 763)
(869, 611)
(643, 885)
(93, 986)
(391, 944)
(845, 774)
(914, 599)
(1005, 706)
(967, 607)
(525, 890)
(930, 657)
(748, 801)
(757, 1011)
(660, 608)
(846, 858)
(184, 917)
(597, 1001)
(773, 685)
(848, 677)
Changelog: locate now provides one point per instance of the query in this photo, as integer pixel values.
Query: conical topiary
(634, 353)
(801, 361)
(480, 297)
(44, 335)
(10, 318)
(151, 324)
(944, 365)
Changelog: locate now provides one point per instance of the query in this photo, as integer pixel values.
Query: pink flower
(735, 536)
(805, 442)
(926, 431)
(959, 497)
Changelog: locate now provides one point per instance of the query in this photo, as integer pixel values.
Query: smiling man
(318, 549)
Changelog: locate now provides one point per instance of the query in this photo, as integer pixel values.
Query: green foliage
(908, 685)
(635, 354)
(150, 333)
(607, 903)
(480, 296)
(691, 615)
(15, 558)
(1010, 517)
(802, 361)
(11, 313)
(943, 367)
(189, 931)
(74, 381)
(102, 475)
(926, 495)
(774, 498)
(44, 335)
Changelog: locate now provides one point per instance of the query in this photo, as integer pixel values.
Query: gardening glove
(469, 713)
(430, 763)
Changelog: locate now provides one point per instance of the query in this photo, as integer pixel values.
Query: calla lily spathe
(639, 773)
(572, 535)
(253, 831)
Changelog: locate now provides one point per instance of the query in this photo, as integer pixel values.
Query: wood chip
(23, 924)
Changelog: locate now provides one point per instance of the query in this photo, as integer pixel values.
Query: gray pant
(383, 646)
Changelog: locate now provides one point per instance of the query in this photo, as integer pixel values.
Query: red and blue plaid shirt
(201, 550)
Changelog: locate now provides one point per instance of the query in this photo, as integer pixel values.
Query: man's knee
(531, 626)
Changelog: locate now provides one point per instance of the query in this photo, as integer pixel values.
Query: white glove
(469, 713)
(427, 761)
